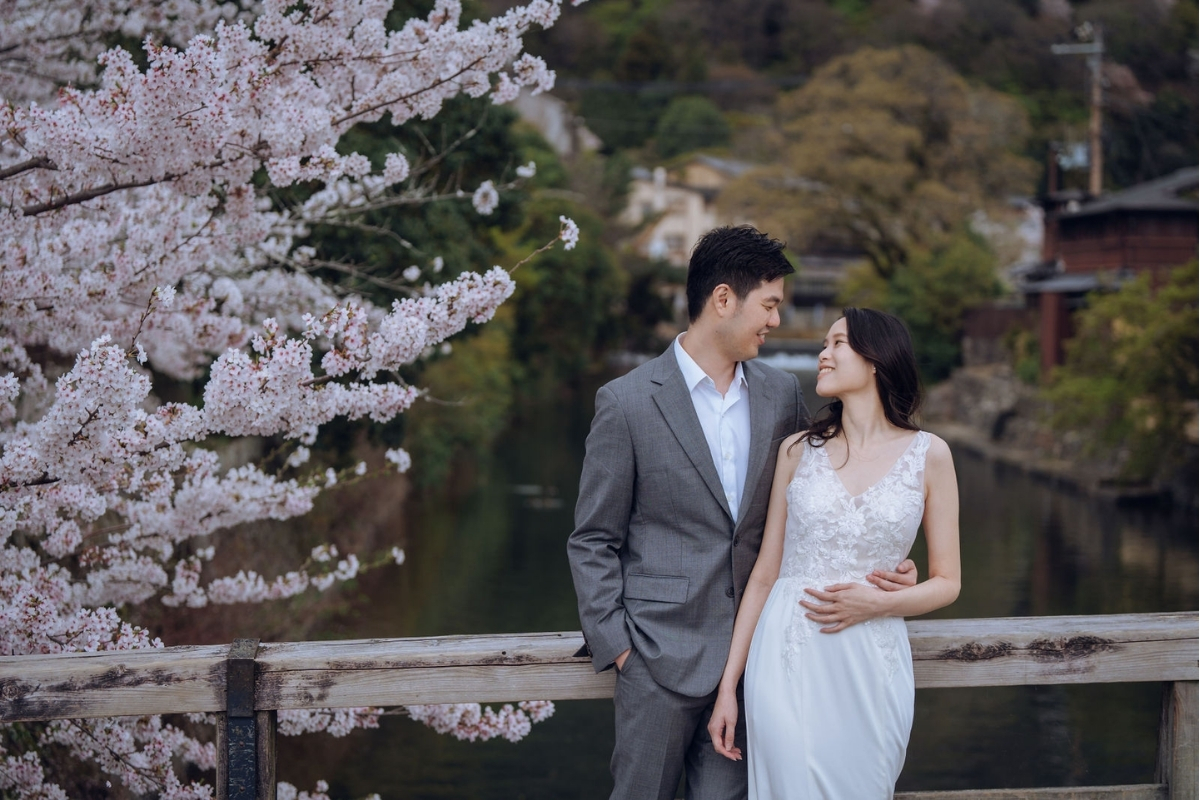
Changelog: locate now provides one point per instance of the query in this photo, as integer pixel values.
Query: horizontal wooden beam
(542, 666)
(1013, 651)
(446, 669)
(1150, 791)
(110, 684)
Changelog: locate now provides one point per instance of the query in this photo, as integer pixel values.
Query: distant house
(674, 209)
(671, 210)
(1095, 243)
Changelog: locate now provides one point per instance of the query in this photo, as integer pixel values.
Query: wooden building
(1101, 242)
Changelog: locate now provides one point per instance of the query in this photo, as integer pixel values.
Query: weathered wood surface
(979, 652)
(267, 759)
(1138, 792)
(1178, 752)
(1010, 651)
(447, 669)
(265, 786)
(542, 666)
(129, 683)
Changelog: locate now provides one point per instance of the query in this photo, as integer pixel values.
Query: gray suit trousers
(661, 733)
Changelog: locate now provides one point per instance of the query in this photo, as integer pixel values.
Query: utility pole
(1094, 50)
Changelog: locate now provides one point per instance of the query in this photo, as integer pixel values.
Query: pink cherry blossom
(137, 240)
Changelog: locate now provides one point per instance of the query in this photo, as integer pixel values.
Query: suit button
(729, 592)
(737, 540)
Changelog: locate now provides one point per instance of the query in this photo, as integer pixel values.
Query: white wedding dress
(828, 715)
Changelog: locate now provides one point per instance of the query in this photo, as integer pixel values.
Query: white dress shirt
(725, 421)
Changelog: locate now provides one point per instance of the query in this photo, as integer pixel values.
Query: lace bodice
(834, 537)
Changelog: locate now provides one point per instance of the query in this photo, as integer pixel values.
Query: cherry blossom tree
(142, 237)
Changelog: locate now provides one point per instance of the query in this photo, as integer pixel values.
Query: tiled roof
(1162, 194)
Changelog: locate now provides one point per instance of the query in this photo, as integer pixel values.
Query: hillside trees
(690, 123)
(932, 294)
(885, 151)
(890, 153)
(157, 220)
(1130, 381)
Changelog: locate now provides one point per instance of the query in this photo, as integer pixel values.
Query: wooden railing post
(237, 729)
(265, 721)
(1177, 747)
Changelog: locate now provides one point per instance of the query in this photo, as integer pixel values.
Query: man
(672, 501)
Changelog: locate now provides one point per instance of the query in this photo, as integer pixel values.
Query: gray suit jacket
(658, 561)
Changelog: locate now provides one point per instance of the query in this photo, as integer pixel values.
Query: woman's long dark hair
(885, 343)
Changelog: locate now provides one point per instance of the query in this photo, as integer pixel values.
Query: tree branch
(45, 480)
(41, 162)
(402, 98)
(346, 269)
(90, 194)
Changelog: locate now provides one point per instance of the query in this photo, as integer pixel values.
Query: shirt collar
(693, 375)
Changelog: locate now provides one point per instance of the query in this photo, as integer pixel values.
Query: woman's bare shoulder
(938, 455)
(792, 448)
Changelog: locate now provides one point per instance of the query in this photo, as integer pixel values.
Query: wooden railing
(247, 682)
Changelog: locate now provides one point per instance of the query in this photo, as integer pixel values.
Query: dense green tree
(690, 123)
(568, 305)
(468, 402)
(645, 58)
(932, 294)
(888, 151)
(623, 117)
(1130, 379)
(1002, 44)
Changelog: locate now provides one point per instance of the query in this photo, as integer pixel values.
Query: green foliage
(551, 174)
(394, 238)
(549, 323)
(614, 184)
(884, 152)
(931, 294)
(1154, 139)
(1130, 379)
(643, 52)
(568, 303)
(651, 283)
(1003, 45)
(623, 118)
(690, 123)
(470, 396)
(855, 10)
(1024, 349)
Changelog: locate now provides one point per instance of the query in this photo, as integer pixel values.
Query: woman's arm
(845, 604)
(762, 578)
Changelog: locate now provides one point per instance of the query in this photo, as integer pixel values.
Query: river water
(495, 562)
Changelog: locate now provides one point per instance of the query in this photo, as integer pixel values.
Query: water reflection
(495, 562)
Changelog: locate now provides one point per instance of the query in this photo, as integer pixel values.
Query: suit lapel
(674, 401)
(762, 416)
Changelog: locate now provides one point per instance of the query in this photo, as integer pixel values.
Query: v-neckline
(883, 478)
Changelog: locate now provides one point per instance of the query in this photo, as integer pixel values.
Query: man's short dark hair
(741, 256)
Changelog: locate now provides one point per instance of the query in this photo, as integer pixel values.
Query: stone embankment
(988, 411)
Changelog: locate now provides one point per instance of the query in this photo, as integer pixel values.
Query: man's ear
(723, 299)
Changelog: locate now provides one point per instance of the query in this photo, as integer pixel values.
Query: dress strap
(914, 466)
(921, 446)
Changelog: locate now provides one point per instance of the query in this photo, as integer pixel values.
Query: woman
(828, 671)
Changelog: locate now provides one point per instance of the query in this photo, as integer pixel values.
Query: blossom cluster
(472, 722)
(286, 791)
(139, 237)
(51, 43)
